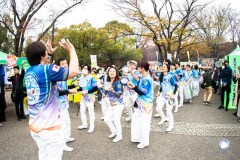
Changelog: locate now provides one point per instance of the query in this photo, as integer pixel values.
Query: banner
(207, 62)
(11, 60)
(93, 60)
(188, 55)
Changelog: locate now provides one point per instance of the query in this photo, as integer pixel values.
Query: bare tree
(168, 25)
(24, 17)
(213, 25)
(233, 18)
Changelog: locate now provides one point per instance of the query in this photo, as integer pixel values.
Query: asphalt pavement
(196, 136)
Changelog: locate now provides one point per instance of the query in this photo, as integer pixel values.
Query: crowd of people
(131, 90)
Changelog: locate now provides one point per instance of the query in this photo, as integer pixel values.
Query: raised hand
(50, 49)
(66, 45)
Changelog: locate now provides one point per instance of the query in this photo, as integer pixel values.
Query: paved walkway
(197, 132)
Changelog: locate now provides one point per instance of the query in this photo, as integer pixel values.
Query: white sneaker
(70, 139)
(66, 148)
(117, 139)
(1, 125)
(140, 146)
(112, 135)
(102, 118)
(175, 111)
(82, 127)
(90, 130)
(162, 121)
(135, 141)
(156, 115)
(128, 119)
(100, 102)
(180, 105)
(169, 129)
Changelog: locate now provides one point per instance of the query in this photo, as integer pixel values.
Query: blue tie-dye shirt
(42, 94)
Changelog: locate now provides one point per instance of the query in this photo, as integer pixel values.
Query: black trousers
(215, 86)
(19, 103)
(226, 89)
(238, 101)
(99, 94)
(3, 106)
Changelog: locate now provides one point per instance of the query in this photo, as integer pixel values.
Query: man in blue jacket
(226, 77)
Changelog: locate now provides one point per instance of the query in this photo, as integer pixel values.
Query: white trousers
(113, 119)
(187, 92)
(195, 87)
(130, 100)
(160, 104)
(65, 124)
(105, 104)
(140, 126)
(83, 108)
(50, 144)
(180, 94)
(176, 100)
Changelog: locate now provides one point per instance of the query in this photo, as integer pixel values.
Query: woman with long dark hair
(165, 96)
(141, 119)
(114, 111)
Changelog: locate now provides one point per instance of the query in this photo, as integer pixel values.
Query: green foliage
(113, 44)
(5, 41)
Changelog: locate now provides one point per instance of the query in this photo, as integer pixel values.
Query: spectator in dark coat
(207, 87)
(215, 78)
(18, 92)
(226, 77)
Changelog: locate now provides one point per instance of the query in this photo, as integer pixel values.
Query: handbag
(13, 96)
(203, 85)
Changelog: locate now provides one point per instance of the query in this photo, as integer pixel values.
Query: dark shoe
(19, 119)
(235, 114)
(208, 103)
(220, 107)
(204, 102)
(23, 117)
(226, 109)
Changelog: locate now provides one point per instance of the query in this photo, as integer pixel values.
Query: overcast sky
(98, 12)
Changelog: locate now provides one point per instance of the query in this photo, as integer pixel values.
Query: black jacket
(207, 78)
(17, 81)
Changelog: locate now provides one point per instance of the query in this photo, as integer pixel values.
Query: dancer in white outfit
(114, 111)
(179, 72)
(141, 119)
(165, 96)
(64, 90)
(88, 86)
(175, 76)
(195, 81)
(131, 96)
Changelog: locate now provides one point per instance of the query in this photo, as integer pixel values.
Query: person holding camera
(18, 91)
(226, 77)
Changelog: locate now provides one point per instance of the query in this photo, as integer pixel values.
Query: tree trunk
(160, 52)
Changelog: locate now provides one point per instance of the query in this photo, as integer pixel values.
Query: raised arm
(74, 64)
